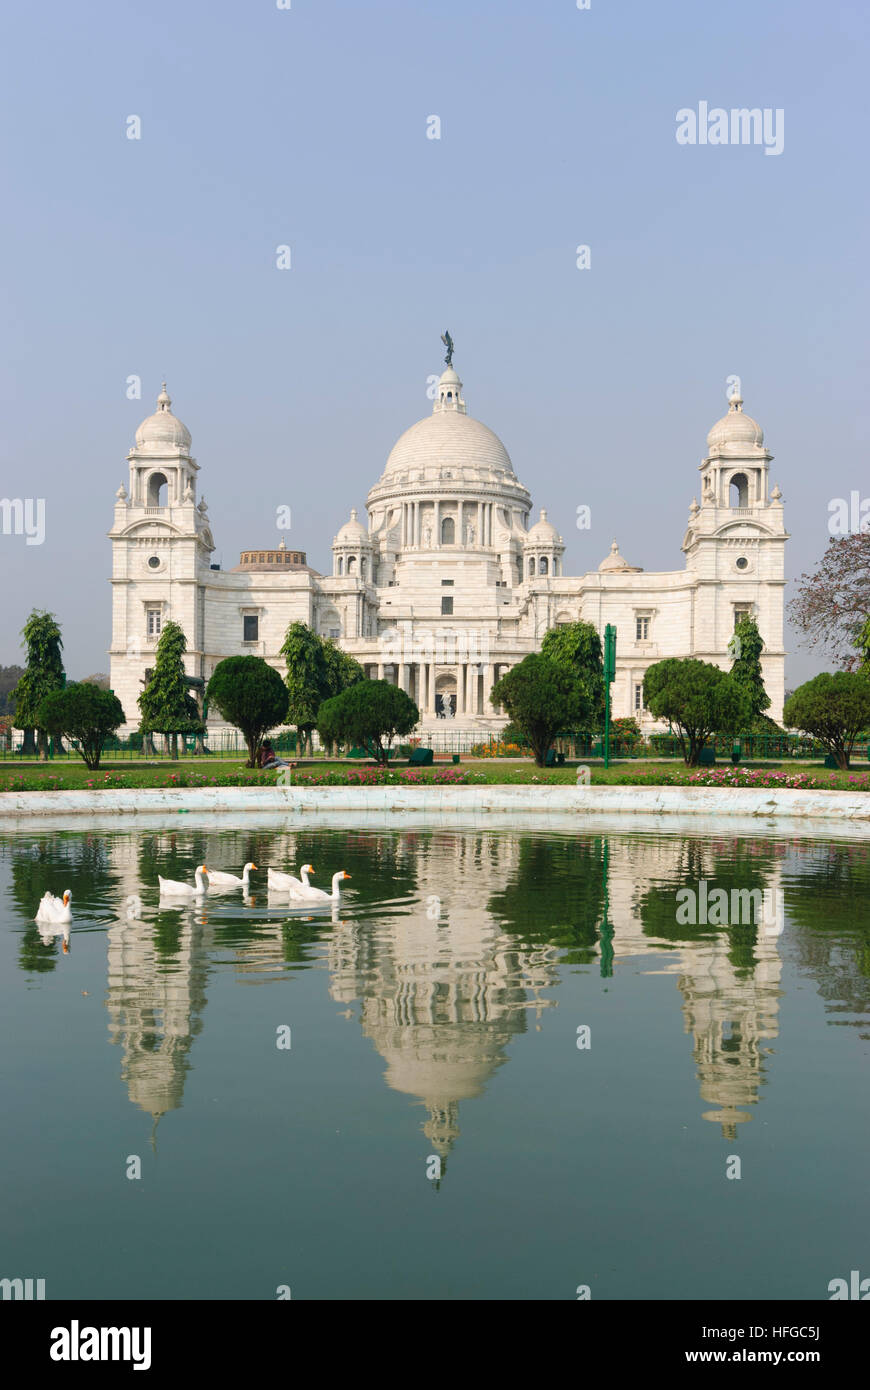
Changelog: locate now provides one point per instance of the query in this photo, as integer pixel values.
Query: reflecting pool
(503, 1066)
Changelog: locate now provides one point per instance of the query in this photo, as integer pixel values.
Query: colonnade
(419, 679)
(478, 515)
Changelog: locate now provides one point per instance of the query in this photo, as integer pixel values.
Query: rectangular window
(154, 618)
(638, 698)
(251, 627)
(447, 604)
(446, 581)
(642, 629)
(743, 611)
(334, 633)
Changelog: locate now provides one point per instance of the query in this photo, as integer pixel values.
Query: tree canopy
(83, 712)
(43, 674)
(9, 678)
(543, 698)
(832, 604)
(697, 699)
(578, 647)
(250, 694)
(370, 714)
(317, 670)
(833, 708)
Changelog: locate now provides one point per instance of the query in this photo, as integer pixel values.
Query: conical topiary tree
(43, 674)
(166, 702)
(746, 647)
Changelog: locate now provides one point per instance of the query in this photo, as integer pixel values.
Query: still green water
(433, 1022)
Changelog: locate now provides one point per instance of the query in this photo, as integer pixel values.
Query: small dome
(162, 429)
(736, 430)
(352, 532)
(615, 562)
(543, 532)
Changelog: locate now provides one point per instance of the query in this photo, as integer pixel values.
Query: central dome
(448, 439)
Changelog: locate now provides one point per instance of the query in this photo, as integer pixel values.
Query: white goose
(220, 880)
(286, 883)
(318, 895)
(171, 888)
(54, 910)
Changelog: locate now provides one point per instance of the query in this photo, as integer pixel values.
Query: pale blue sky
(308, 127)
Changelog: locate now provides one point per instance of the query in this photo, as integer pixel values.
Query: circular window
(742, 563)
(154, 562)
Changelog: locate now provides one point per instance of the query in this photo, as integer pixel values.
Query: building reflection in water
(444, 982)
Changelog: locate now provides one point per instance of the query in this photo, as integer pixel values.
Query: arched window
(739, 491)
(362, 567)
(448, 531)
(340, 565)
(542, 565)
(158, 489)
(531, 568)
(351, 564)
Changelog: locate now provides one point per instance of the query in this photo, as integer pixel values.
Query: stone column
(431, 701)
(480, 523)
(403, 677)
(416, 509)
(437, 536)
(460, 689)
(380, 670)
(488, 683)
(459, 521)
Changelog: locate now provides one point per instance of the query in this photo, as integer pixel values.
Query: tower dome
(352, 532)
(735, 431)
(162, 430)
(543, 532)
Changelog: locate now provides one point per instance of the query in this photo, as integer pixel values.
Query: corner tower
(161, 548)
(735, 545)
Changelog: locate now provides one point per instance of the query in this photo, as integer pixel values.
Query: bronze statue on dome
(448, 343)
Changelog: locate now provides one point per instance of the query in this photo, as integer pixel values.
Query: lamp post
(609, 673)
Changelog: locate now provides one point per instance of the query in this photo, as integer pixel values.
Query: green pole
(609, 673)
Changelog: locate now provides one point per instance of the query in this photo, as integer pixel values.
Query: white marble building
(450, 582)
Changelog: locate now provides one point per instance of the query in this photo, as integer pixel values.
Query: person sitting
(269, 758)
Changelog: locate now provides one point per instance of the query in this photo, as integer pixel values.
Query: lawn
(199, 772)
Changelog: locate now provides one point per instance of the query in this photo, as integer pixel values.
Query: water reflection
(453, 942)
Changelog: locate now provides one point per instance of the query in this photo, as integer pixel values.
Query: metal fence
(228, 743)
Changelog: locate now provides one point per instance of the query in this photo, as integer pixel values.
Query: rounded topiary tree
(697, 699)
(249, 693)
(84, 712)
(543, 697)
(368, 713)
(835, 709)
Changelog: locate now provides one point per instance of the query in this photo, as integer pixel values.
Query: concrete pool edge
(18, 809)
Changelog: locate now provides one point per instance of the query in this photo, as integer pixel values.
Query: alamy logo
(740, 126)
(22, 1288)
(76, 1343)
(703, 906)
(23, 516)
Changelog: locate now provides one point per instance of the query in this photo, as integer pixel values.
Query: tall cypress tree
(43, 674)
(166, 702)
(746, 647)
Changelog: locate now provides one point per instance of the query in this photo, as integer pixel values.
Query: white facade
(448, 585)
